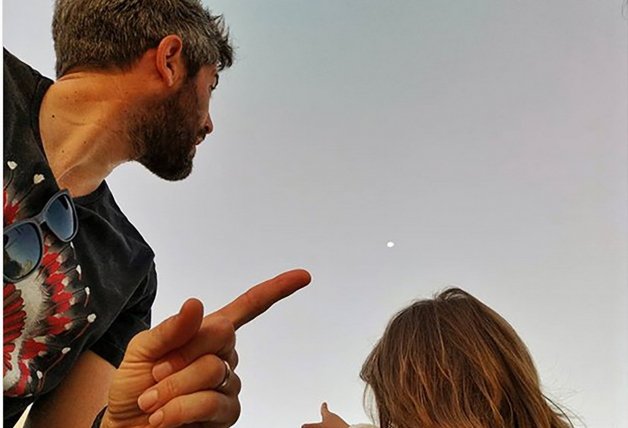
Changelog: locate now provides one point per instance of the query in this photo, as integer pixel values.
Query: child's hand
(330, 420)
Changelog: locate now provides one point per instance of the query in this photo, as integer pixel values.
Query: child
(452, 362)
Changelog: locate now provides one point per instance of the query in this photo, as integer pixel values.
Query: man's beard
(165, 133)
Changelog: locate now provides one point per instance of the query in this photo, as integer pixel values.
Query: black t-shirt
(94, 293)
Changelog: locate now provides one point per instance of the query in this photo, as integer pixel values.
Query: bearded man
(134, 82)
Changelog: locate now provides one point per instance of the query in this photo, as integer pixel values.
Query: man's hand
(330, 420)
(170, 374)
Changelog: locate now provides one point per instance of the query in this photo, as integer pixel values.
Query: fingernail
(162, 370)
(156, 418)
(147, 399)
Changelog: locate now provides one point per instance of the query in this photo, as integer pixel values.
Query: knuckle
(252, 301)
(237, 384)
(235, 415)
(234, 360)
(212, 370)
(224, 327)
(171, 387)
(222, 331)
(178, 360)
(174, 413)
(210, 405)
(162, 329)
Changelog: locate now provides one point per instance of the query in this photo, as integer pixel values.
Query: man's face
(166, 133)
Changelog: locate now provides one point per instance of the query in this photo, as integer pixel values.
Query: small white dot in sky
(390, 244)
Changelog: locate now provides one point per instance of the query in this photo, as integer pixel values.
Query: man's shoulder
(11, 62)
(102, 204)
(18, 72)
(21, 83)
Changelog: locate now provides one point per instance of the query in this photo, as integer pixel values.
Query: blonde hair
(453, 362)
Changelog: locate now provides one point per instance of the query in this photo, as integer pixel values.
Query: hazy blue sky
(487, 139)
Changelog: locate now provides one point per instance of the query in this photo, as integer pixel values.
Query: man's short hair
(105, 34)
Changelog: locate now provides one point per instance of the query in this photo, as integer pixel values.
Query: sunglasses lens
(60, 218)
(22, 251)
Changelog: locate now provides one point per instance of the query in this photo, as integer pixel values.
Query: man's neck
(83, 124)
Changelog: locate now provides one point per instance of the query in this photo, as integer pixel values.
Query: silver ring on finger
(225, 381)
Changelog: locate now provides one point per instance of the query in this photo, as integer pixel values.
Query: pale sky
(487, 139)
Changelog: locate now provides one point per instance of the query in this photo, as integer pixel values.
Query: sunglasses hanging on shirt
(24, 239)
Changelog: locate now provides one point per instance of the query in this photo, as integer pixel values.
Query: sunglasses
(24, 240)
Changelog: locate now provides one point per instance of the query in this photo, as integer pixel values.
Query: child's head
(453, 362)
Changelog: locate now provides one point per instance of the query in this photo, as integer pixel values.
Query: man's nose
(208, 125)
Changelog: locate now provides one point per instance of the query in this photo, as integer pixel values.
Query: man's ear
(169, 60)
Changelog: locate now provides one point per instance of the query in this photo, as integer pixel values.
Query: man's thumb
(170, 334)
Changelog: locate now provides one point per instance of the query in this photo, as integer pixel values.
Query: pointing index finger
(261, 297)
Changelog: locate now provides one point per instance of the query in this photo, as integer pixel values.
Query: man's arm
(78, 399)
(180, 342)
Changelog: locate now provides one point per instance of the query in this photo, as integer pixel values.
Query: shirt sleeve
(134, 318)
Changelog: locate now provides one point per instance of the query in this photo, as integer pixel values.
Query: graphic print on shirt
(44, 312)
